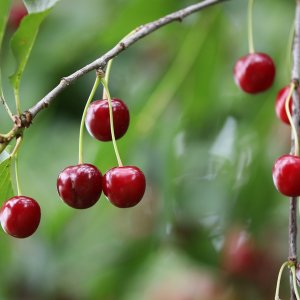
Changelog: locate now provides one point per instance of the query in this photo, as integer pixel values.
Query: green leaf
(34, 6)
(6, 188)
(23, 41)
(4, 10)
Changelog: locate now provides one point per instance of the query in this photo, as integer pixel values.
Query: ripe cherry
(254, 73)
(17, 13)
(280, 104)
(286, 175)
(80, 186)
(124, 186)
(97, 119)
(20, 216)
(239, 255)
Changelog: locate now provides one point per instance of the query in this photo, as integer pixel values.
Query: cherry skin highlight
(286, 175)
(80, 186)
(280, 104)
(20, 216)
(124, 186)
(97, 119)
(254, 73)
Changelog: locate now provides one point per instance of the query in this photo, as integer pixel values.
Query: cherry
(254, 73)
(239, 254)
(124, 186)
(97, 119)
(17, 13)
(20, 216)
(286, 175)
(80, 186)
(280, 104)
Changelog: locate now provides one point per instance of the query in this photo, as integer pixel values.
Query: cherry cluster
(286, 170)
(80, 186)
(254, 73)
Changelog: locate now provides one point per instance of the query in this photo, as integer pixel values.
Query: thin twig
(127, 41)
(296, 119)
(3, 101)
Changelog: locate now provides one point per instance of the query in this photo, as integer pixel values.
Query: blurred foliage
(207, 150)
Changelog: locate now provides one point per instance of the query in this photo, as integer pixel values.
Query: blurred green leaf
(23, 41)
(34, 6)
(6, 189)
(4, 9)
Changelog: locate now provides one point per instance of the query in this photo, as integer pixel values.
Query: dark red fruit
(286, 175)
(124, 186)
(280, 104)
(239, 255)
(254, 73)
(80, 186)
(20, 216)
(17, 13)
(97, 119)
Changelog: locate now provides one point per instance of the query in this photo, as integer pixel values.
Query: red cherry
(239, 255)
(254, 73)
(20, 216)
(286, 175)
(17, 13)
(97, 119)
(124, 186)
(80, 186)
(280, 104)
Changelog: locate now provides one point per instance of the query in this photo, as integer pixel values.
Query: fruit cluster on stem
(81, 186)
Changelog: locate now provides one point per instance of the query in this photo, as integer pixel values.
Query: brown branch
(127, 41)
(296, 120)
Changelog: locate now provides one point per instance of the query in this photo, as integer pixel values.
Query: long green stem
(250, 26)
(16, 148)
(279, 280)
(17, 175)
(96, 84)
(3, 101)
(111, 120)
(14, 154)
(287, 109)
(293, 269)
(107, 75)
(17, 99)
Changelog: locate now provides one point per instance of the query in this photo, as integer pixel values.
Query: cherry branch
(296, 120)
(133, 37)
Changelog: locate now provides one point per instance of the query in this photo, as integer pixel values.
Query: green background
(206, 148)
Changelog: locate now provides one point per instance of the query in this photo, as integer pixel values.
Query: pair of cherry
(80, 186)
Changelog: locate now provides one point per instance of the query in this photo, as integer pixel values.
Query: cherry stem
(279, 279)
(293, 269)
(17, 99)
(111, 121)
(16, 148)
(3, 101)
(14, 154)
(287, 109)
(93, 91)
(250, 26)
(107, 74)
